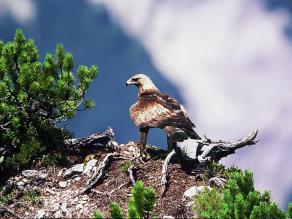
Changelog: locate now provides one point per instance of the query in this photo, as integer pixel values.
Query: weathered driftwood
(197, 152)
(207, 149)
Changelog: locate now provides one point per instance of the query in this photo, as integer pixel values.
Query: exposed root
(98, 174)
(164, 181)
(130, 171)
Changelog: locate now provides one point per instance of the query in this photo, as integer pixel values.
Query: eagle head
(142, 81)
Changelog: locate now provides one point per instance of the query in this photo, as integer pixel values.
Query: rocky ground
(55, 191)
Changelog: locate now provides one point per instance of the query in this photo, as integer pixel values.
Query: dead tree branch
(200, 151)
(94, 141)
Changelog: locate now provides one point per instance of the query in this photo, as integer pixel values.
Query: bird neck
(149, 86)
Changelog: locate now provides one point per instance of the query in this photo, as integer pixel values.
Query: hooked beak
(129, 82)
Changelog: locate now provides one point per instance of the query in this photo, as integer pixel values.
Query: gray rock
(220, 182)
(89, 166)
(78, 207)
(30, 174)
(76, 169)
(41, 214)
(63, 184)
(56, 206)
(193, 191)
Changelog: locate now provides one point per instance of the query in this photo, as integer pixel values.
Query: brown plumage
(155, 109)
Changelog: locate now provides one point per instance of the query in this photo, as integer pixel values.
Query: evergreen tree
(35, 97)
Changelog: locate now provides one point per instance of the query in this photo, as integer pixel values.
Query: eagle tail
(179, 134)
(192, 134)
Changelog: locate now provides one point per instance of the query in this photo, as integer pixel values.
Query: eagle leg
(143, 138)
(170, 144)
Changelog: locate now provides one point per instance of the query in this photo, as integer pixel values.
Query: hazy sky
(231, 61)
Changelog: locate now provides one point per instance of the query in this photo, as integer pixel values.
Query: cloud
(22, 10)
(232, 63)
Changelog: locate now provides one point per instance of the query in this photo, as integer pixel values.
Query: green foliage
(115, 211)
(238, 200)
(5, 198)
(31, 197)
(97, 215)
(142, 201)
(290, 210)
(126, 166)
(34, 97)
(207, 203)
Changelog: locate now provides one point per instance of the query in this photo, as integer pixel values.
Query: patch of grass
(6, 199)
(31, 197)
(126, 166)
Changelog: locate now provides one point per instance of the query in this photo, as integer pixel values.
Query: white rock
(56, 206)
(58, 214)
(76, 169)
(60, 172)
(20, 185)
(63, 184)
(193, 191)
(78, 207)
(89, 166)
(29, 173)
(168, 217)
(77, 178)
(41, 214)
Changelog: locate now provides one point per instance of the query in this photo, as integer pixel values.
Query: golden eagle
(155, 109)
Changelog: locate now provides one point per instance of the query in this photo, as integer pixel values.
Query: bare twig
(164, 181)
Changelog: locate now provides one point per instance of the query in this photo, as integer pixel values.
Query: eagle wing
(157, 110)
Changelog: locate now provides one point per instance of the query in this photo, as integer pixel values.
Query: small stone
(193, 191)
(76, 169)
(168, 217)
(85, 197)
(20, 185)
(56, 206)
(89, 166)
(42, 176)
(58, 214)
(78, 207)
(29, 173)
(77, 178)
(41, 214)
(63, 184)
(60, 172)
